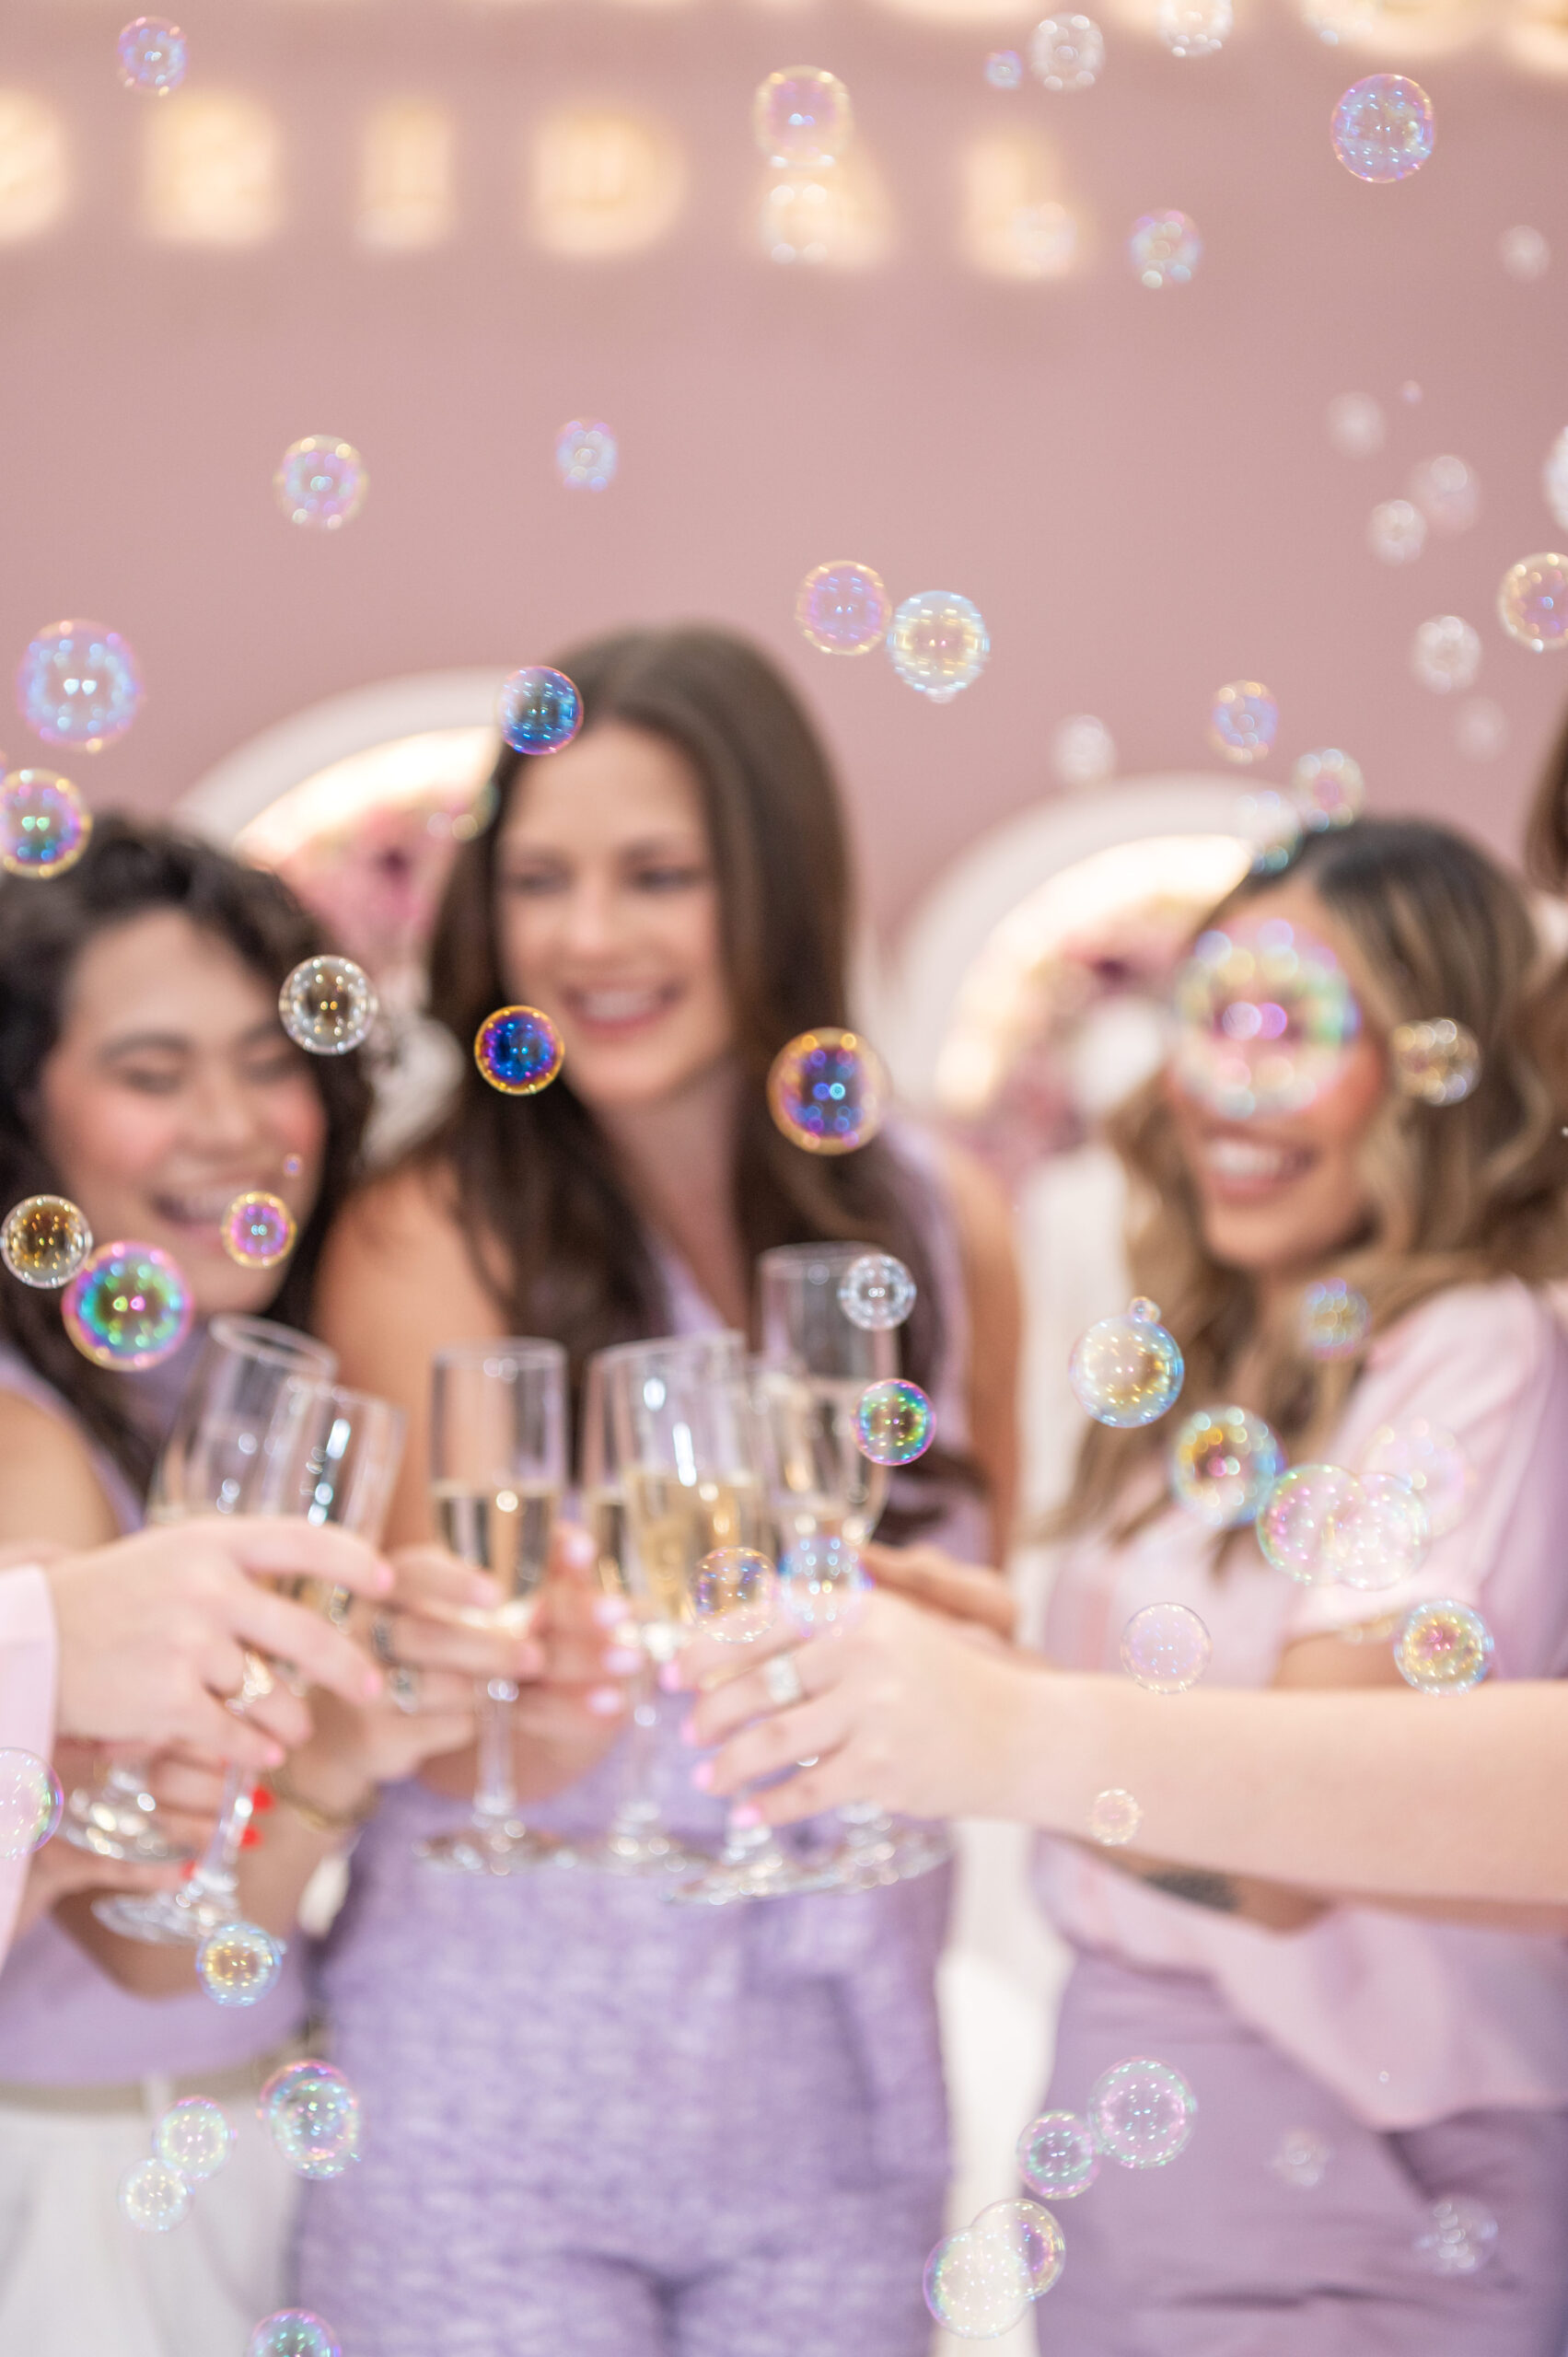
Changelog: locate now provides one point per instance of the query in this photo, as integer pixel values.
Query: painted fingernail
(607, 1701)
(703, 1775)
(744, 1816)
(622, 1660)
(610, 1611)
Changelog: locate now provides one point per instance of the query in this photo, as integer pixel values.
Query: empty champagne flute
(498, 1466)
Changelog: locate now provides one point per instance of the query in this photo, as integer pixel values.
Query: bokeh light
(734, 1595)
(29, 1803)
(1378, 1536)
(312, 2114)
(828, 1090)
(518, 1051)
(1301, 2158)
(293, 2332)
(1445, 654)
(44, 1241)
(258, 1230)
(1114, 1817)
(1058, 2156)
(1446, 491)
(151, 54)
(194, 2137)
(1264, 1017)
(1067, 52)
(822, 1583)
(1082, 751)
(1166, 1648)
(1195, 28)
(79, 683)
(44, 824)
(540, 710)
(1142, 2112)
(238, 1963)
(894, 1423)
(876, 1293)
(802, 116)
(586, 455)
(1271, 822)
(1328, 789)
(321, 482)
(1524, 253)
(1242, 721)
(1357, 427)
(1430, 1460)
(1396, 531)
(1164, 250)
(1334, 1318)
(1444, 1647)
(1436, 1063)
(1458, 2239)
(1532, 602)
(1128, 1370)
(1382, 128)
(1004, 69)
(841, 608)
(328, 1006)
(128, 1306)
(1224, 1462)
(938, 644)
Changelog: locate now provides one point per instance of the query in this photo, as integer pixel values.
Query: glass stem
(637, 1809)
(216, 1874)
(495, 1784)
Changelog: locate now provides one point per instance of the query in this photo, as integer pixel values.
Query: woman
(606, 2122)
(1434, 2060)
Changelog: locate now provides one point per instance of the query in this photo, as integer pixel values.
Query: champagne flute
(498, 1466)
(210, 1464)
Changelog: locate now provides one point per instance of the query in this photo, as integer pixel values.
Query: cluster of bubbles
(312, 2115)
(321, 482)
(1067, 52)
(1242, 722)
(1126, 1370)
(44, 1241)
(828, 1090)
(128, 1306)
(328, 1004)
(1301, 2158)
(1532, 603)
(238, 1963)
(1445, 654)
(540, 710)
(823, 1584)
(44, 823)
(1166, 1648)
(79, 683)
(1460, 2238)
(802, 116)
(1334, 1320)
(1382, 128)
(1114, 1818)
(31, 1802)
(1141, 2113)
(518, 1050)
(1264, 1016)
(734, 1594)
(1164, 250)
(938, 644)
(1082, 751)
(1444, 1647)
(894, 1423)
(841, 608)
(1396, 531)
(1224, 1462)
(293, 2332)
(980, 2281)
(1438, 1062)
(876, 1293)
(258, 1230)
(152, 56)
(586, 454)
(1327, 789)
(1195, 28)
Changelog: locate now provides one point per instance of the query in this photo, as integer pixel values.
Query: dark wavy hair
(128, 870)
(553, 1235)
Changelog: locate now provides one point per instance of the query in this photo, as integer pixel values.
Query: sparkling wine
(506, 1529)
(672, 1525)
(821, 1483)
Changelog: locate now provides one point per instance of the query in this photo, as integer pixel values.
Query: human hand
(188, 1791)
(968, 1593)
(592, 1654)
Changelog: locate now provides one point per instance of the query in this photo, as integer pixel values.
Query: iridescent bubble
(938, 644)
(1396, 531)
(1301, 2158)
(894, 1423)
(1164, 250)
(843, 607)
(1058, 2156)
(1224, 1462)
(29, 1803)
(79, 684)
(876, 1293)
(44, 824)
(1066, 52)
(822, 1582)
(1442, 1648)
(128, 1306)
(258, 1230)
(321, 483)
(1524, 253)
(734, 1595)
(1126, 1370)
(1429, 1458)
(44, 1241)
(1271, 822)
(328, 1006)
(1382, 128)
(540, 710)
(826, 1091)
(293, 2332)
(1031, 2235)
(153, 2196)
(1445, 654)
(1532, 603)
(1554, 480)
(518, 1050)
(1436, 1063)
(312, 2114)
(238, 1963)
(1328, 790)
(152, 56)
(1195, 28)
(1265, 1016)
(1114, 1817)
(1004, 69)
(1143, 2113)
(1166, 1648)
(1460, 2238)
(1295, 1518)
(193, 2138)
(1242, 721)
(976, 2285)
(1082, 751)
(1334, 1319)
(1357, 426)
(1446, 493)
(1481, 729)
(586, 455)
(1378, 1537)
(802, 116)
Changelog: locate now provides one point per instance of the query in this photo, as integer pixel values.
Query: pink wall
(1136, 488)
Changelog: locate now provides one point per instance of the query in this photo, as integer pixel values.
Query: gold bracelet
(321, 1820)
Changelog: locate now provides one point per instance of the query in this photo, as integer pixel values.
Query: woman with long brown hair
(602, 2121)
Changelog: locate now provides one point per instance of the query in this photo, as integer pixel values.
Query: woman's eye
(532, 884)
(669, 879)
(147, 1080)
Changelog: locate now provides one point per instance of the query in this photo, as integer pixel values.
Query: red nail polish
(251, 1838)
(261, 1797)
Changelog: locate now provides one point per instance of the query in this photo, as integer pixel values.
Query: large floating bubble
(734, 1594)
(876, 1293)
(826, 1091)
(1128, 1370)
(586, 455)
(312, 2114)
(1164, 250)
(938, 644)
(540, 710)
(29, 1803)
(1334, 1319)
(238, 1963)
(321, 482)
(1442, 1648)
(193, 2137)
(1166, 1648)
(154, 2198)
(128, 1306)
(1378, 1536)
(293, 2332)
(894, 1423)
(1430, 1460)
(258, 1230)
(44, 824)
(802, 116)
(1143, 2113)
(843, 607)
(1242, 721)
(1532, 603)
(79, 684)
(1292, 1525)
(1382, 128)
(1445, 654)
(1067, 52)
(44, 1241)
(518, 1051)
(1031, 2235)
(977, 2285)
(328, 1006)
(1058, 2156)
(1264, 1015)
(1195, 28)
(151, 54)
(1224, 1462)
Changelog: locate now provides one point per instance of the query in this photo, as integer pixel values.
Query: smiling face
(1280, 1189)
(171, 1089)
(608, 913)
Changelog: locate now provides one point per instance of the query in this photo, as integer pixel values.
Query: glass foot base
(770, 1874)
(897, 1850)
(507, 1849)
(166, 1919)
(113, 1826)
(647, 1852)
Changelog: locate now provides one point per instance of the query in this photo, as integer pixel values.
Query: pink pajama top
(1406, 2022)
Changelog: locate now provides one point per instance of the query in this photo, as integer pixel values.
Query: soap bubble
(938, 644)
(29, 1803)
(894, 1423)
(1082, 751)
(802, 116)
(1004, 69)
(1481, 729)
(1031, 2235)
(1264, 1017)
(238, 1963)
(826, 1091)
(876, 1293)
(44, 824)
(1378, 1536)
(1295, 1518)
(1114, 1817)
(1127, 1370)
(79, 684)
(1446, 493)
(1442, 1648)
(1460, 2238)
(321, 482)
(822, 1582)
(1524, 253)
(1271, 824)
(1436, 1063)
(1382, 128)
(328, 1006)
(540, 710)
(1164, 250)
(153, 2196)
(1242, 721)
(1334, 1319)
(1143, 2113)
(312, 2114)
(976, 2285)
(1445, 654)
(586, 455)
(1396, 531)
(1554, 478)
(193, 2138)
(734, 1594)
(1301, 2158)
(843, 607)
(1066, 52)
(128, 1306)
(1195, 28)
(293, 2332)
(1532, 603)
(518, 1050)
(1224, 1462)
(152, 56)
(1166, 1648)
(1357, 426)
(1430, 1460)
(44, 1241)
(1328, 789)
(258, 1230)
(1058, 2156)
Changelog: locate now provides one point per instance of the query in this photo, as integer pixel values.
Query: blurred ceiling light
(1537, 35)
(838, 217)
(34, 176)
(406, 200)
(1408, 28)
(440, 770)
(212, 171)
(603, 184)
(1015, 224)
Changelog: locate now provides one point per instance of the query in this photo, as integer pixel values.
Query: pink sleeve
(29, 1660)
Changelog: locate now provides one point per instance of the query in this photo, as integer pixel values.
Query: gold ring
(257, 1681)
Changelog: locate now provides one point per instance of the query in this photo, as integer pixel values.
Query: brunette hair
(1458, 1194)
(1546, 832)
(129, 869)
(552, 1232)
